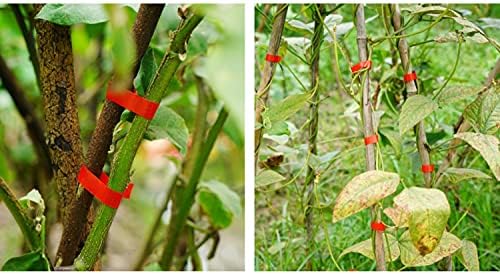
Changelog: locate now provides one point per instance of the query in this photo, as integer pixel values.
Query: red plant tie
(273, 58)
(378, 226)
(412, 76)
(361, 65)
(427, 168)
(371, 139)
(133, 102)
(100, 190)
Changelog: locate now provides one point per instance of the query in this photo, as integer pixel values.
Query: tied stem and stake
(267, 76)
(313, 118)
(75, 231)
(124, 157)
(185, 194)
(411, 88)
(368, 126)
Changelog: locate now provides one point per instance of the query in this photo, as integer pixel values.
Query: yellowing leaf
(487, 145)
(428, 211)
(366, 249)
(414, 110)
(468, 256)
(453, 94)
(484, 113)
(411, 257)
(364, 191)
(455, 175)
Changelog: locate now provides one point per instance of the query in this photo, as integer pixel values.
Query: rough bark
(72, 238)
(368, 124)
(267, 75)
(59, 100)
(313, 121)
(411, 88)
(27, 111)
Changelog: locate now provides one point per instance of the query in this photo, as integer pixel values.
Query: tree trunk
(61, 115)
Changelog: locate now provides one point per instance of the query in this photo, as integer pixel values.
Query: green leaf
(414, 110)
(285, 108)
(411, 257)
(366, 249)
(268, 177)
(168, 124)
(467, 255)
(487, 145)
(147, 71)
(219, 202)
(394, 140)
(484, 112)
(455, 175)
(364, 191)
(452, 94)
(70, 14)
(298, 44)
(428, 212)
(34, 261)
(278, 128)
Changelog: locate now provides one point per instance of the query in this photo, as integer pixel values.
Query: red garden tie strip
(99, 188)
(273, 58)
(378, 226)
(133, 102)
(361, 65)
(126, 193)
(427, 168)
(371, 139)
(412, 76)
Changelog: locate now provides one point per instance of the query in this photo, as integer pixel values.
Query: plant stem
(25, 224)
(411, 88)
(74, 234)
(186, 193)
(198, 141)
(124, 157)
(313, 125)
(368, 126)
(267, 75)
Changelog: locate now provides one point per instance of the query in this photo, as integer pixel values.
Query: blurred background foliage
(215, 53)
(280, 230)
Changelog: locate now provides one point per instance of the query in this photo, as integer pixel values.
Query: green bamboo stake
(125, 155)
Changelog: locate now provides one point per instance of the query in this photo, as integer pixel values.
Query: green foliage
(147, 70)
(414, 110)
(484, 112)
(70, 14)
(219, 202)
(168, 124)
(284, 109)
(268, 177)
(33, 261)
(366, 249)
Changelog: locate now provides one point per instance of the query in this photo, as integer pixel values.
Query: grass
(280, 231)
